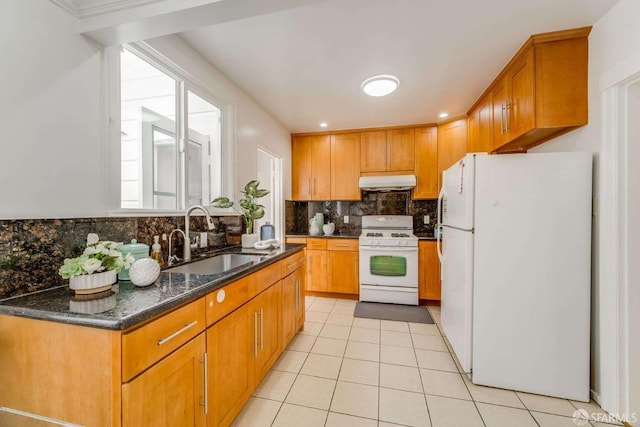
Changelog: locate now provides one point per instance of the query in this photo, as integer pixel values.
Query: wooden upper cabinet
(520, 96)
(321, 168)
(400, 150)
(391, 150)
(541, 93)
(479, 127)
(373, 155)
(452, 144)
(345, 166)
(301, 167)
(426, 163)
(311, 167)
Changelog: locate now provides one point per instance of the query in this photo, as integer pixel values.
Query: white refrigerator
(515, 249)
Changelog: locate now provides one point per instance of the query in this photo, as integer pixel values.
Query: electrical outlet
(164, 237)
(346, 219)
(427, 219)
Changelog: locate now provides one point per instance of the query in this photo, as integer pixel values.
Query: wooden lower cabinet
(230, 348)
(171, 393)
(429, 271)
(343, 269)
(242, 347)
(293, 304)
(267, 308)
(203, 378)
(316, 270)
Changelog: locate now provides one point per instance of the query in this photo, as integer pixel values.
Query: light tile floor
(346, 371)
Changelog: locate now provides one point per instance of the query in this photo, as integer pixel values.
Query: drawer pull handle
(176, 333)
(342, 245)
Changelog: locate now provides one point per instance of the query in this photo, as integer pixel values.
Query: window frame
(185, 82)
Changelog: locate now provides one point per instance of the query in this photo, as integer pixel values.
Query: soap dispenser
(156, 251)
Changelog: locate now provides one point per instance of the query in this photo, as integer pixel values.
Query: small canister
(267, 231)
(137, 251)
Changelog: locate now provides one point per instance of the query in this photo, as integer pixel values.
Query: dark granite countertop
(127, 305)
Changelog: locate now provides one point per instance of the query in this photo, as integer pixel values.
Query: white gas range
(388, 260)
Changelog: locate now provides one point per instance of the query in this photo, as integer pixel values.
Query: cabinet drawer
(292, 263)
(266, 277)
(301, 240)
(223, 301)
(342, 245)
(317, 244)
(144, 346)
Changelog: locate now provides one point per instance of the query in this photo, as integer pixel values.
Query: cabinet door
(373, 151)
(521, 96)
(289, 305)
(230, 348)
(316, 270)
(170, 393)
(321, 168)
(452, 144)
(480, 130)
(301, 150)
(343, 272)
(499, 111)
(401, 150)
(301, 279)
(268, 308)
(485, 123)
(429, 271)
(426, 164)
(345, 167)
(472, 131)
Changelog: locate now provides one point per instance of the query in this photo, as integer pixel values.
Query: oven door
(389, 266)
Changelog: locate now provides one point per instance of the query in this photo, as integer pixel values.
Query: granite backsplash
(297, 214)
(32, 250)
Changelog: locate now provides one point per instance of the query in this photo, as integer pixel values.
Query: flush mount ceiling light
(444, 115)
(323, 125)
(380, 85)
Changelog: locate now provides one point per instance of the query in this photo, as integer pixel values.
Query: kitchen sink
(218, 264)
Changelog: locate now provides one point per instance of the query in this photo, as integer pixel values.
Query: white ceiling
(305, 65)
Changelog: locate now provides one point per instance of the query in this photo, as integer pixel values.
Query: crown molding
(87, 8)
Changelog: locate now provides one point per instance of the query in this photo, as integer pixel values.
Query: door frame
(616, 190)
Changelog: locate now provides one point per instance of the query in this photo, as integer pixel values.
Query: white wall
(50, 131)
(52, 136)
(614, 43)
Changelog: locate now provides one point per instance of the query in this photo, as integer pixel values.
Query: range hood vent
(387, 182)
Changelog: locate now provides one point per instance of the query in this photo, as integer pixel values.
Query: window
(171, 148)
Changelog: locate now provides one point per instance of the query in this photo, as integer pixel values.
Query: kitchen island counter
(127, 305)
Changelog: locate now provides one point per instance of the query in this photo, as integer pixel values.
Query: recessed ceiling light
(380, 85)
(444, 115)
(323, 125)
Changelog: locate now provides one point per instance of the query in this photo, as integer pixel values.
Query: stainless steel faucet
(186, 252)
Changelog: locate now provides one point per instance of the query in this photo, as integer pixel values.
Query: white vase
(93, 283)
(249, 239)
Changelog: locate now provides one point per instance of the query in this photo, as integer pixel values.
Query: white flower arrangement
(99, 256)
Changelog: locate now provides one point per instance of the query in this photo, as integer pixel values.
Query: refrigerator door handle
(439, 226)
(457, 228)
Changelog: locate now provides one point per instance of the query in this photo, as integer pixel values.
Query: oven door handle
(388, 249)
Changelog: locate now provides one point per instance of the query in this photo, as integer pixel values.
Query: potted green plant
(251, 210)
(96, 269)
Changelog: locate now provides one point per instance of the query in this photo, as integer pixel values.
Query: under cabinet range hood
(387, 182)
